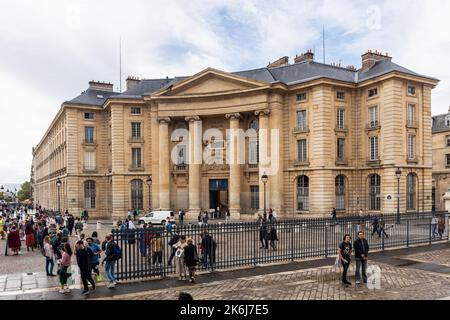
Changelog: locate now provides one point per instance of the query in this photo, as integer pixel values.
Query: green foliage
(25, 191)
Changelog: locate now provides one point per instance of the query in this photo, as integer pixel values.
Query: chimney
(101, 86)
(284, 61)
(351, 67)
(132, 81)
(371, 57)
(308, 56)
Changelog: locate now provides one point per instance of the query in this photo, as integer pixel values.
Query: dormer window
(372, 92)
(447, 121)
(301, 96)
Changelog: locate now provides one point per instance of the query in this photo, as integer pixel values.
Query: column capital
(262, 113)
(233, 116)
(192, 118)
(162, 120)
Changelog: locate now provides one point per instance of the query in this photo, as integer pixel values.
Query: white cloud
(51, 49)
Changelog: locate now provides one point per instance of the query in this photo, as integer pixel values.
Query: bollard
(99, 225)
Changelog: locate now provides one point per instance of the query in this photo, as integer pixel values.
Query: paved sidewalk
(401, 277)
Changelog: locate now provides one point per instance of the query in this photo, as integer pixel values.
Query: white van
(157, 217)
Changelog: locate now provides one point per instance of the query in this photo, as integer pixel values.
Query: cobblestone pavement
(313, 284)
(441, 257)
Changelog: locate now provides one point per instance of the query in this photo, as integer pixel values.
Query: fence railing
(253, 243)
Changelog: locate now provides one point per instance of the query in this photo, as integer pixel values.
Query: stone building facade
(441, 159)
(339, 134)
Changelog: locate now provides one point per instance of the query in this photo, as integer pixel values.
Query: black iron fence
(255, 243)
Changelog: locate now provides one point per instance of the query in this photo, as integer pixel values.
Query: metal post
(59, 202)
(398, 201)
(407, 233)
(265, 213)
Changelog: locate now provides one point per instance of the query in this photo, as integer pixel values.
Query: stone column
(164, 172)
(276, 158)
(264, 154)
(195, 161)
(234, 186)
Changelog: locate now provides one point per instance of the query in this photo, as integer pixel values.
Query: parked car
(157, 217)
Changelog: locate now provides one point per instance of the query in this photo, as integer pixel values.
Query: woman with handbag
(179, 257)
(191, 259)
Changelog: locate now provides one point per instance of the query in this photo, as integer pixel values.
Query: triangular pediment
(211, 81)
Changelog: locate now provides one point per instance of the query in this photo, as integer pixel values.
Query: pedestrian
(95, 238)
(110, 260)
(66, 254)
(263, 234)
(179, 257)
(270, 214)
(14, 240)
(273, 238)
(334, 215)
(78, 226)
(200, 218)
(434, 225)
(169, 228)
(227, 217)
(95, 260)
(382, 227)
(70, 223)
(205, 217)
(375, 225)
(361, 247)
(49, 257)
(156, 244)
(129, 214)
(134, 214)
(175, 238)
(2, 232)
(441, 227)
(29, 235)
(65, 233)
(344, 252)
(209, 250)
(191, 259)
(131, 231)
(84, 261)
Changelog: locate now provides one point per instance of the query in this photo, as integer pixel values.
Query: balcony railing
(301, 129)
(373, 125)
(180, 167)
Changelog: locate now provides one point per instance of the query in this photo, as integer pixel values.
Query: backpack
(117, 252)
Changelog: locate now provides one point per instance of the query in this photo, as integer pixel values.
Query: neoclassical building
(330, 137)
(441, 159)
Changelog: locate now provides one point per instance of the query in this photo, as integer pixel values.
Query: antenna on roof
(323, 40)
(120, 64)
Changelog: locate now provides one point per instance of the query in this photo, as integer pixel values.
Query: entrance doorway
(218, 196)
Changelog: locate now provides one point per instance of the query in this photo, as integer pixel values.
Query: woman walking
(191, 259)
(66, 253)
(179, 257)
(14, 240)
(49, 257)
(344, 252)
(29, 235)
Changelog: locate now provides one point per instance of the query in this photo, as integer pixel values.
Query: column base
(235, 214)
(192, 214)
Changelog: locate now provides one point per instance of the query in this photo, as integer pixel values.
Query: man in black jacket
(361, 247)
(209, 250)
(84, 257)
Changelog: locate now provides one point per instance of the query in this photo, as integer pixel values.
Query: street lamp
(58, 186)
(149, 183)
(264, 179)
(398, 174)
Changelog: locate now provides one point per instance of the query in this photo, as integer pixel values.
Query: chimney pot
(370, 58)
(101, 86)
(308, 56)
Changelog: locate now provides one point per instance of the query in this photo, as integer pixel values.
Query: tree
(25, 191)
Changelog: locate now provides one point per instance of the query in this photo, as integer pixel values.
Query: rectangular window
(340, 119)
(302, 154)
(89, 160)
(89, 135)
(301, 120)
(411, 147)
(136, 157)
(135, 110)
(181, 154)
(373, 117)
(88, 115)
(411, 116)
(341, 149)
(412, 90)
(254, 197)
(340, 95)
(373, 148)
(253, 151)
(302, 96)
(448, 159)
(372, 92)
(135, 129)
(448, 141)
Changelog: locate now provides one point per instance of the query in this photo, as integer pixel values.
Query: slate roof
(290, 74)
(439, 123)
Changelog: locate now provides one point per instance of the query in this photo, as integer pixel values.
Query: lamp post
(149, 183)
(58, 186)
(264, 179)
(398, 174)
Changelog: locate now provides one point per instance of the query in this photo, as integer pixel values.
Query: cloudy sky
(49, 50)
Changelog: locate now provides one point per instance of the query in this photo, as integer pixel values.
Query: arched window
(340, 192)
(137, 194)
(303, 193)
(374, 196)
(411, 192)
(89, 194)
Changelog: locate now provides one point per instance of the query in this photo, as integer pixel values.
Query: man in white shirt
(434, 223)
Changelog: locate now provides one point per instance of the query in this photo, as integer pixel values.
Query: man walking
(434, 224)
(361, 247)
(110, 260)
(84, 258)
